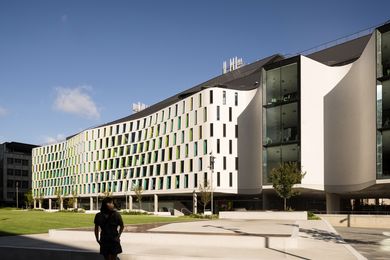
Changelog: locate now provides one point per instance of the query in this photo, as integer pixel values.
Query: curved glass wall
(383, 103)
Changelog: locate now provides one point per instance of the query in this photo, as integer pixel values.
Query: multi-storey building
(328, 111)
(15, 172)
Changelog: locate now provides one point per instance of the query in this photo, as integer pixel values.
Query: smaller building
(15, 172)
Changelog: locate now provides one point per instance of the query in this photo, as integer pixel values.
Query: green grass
(18, 222)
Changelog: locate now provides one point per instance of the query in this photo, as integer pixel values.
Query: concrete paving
(216, 239)
(373, 243)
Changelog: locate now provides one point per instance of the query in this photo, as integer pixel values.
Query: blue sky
(69, 65)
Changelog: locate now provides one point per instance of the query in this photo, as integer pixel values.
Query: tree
(28, 199)
(138, 190)
(284, 177)
(59, 197)
(205, 194)
(72, 199)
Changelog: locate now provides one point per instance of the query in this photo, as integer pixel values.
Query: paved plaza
(212, 239)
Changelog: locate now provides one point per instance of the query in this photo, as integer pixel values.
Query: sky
(69, 65)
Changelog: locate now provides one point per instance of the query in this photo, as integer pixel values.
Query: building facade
(328, 111)
(15, 172)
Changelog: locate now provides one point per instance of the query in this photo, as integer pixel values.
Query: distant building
(15, 170)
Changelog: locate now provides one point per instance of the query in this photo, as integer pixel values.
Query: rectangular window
(200, 132)
(224, 162)
(183, 107)
(179, 123)
(218, 179)
(236, 163)
(205, 180)
(224, 97)
(173, 167)
(218, 146)
(230, 114)
(168, 182)
(187, 120)
(236, 99)
(195, 180)
(200, 100)
(230, 146)
(224, 130)
(218, 113)
(211, 129)
(191, 104)
(230, 179)
(236, 131)
(200, 167)
(205, 147)
(196, 117)
(211, 96)
(205, 114)
(191, 135)
(176, 108)
(195, 148)
(186, 181)
(182, 166)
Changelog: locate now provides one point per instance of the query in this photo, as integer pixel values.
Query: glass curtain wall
(281, 137)
(383, 102)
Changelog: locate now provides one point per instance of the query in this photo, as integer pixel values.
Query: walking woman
(108, 220)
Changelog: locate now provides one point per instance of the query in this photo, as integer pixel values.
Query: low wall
(275, 215)
(365, 221)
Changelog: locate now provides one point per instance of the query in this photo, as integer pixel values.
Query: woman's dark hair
(104, 208)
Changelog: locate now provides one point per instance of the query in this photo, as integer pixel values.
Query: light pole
(212, 160)
(17, 194)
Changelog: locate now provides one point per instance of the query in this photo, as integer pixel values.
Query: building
(328, 110)
(15, 172)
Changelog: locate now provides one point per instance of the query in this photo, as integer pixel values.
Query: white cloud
(55, 139)
(76, 101)
(3, 111)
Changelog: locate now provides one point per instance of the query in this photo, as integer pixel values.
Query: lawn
(17, 222)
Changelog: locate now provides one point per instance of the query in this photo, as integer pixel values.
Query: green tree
(205, 194)
(28, 199)
(283, 179)
(138, 190)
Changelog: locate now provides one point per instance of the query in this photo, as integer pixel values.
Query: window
(218, 113)
(236, 163)
(230, 114)
(200, 132)
(224, 130)
(224, 162)
(218, 146)
(186, 181)
(205, 114)
(205, 147)
(205, 180)
(218, 179)
(224, 97)
(230, 179)
(196, 118)
(200, 100)
(211, 96)
(195, 180)
(236, 99)
(211, 129)
(196, 149)
(200, 164)
(236, 131)
(230, 147)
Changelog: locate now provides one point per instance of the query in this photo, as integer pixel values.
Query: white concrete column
(130, 202)
(90, 203)
(75, 203)
(332, 203)
(40, 203)
(49, 204)
(61, 203)
(155, 203)
(35, 203)
(194, 203)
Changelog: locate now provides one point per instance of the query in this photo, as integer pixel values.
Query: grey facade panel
(350, 127)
